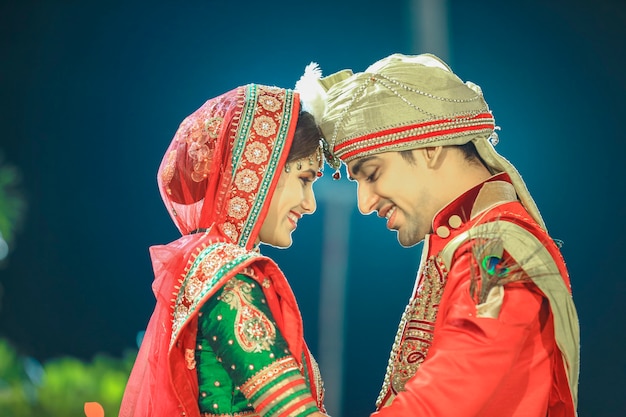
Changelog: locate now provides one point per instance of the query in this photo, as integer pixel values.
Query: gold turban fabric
(407, 102)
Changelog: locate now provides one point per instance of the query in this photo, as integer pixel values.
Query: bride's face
(292, 199)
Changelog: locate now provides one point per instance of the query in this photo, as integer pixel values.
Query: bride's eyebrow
(310, 171)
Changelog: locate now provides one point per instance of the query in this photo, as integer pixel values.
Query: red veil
(217, 178)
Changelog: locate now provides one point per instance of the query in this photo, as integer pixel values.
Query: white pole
(339, 201)
(430, 27)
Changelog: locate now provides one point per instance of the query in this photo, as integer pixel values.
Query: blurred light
(4, 248)
(430, 27)
(339, 199)
(139, 338)
(34, 370)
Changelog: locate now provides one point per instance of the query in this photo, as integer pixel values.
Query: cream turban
(406, 102)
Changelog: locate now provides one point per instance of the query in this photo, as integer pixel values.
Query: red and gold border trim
(430, 131)
(279, 390)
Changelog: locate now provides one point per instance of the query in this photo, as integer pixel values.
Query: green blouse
(244, 365)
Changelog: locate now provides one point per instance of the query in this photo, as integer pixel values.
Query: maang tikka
(318, 159)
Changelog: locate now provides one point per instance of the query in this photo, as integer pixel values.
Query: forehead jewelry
(319, 155)
(312, 160)
(298, 164)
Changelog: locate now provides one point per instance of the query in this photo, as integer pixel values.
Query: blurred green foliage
(60, 387)
(12, 205)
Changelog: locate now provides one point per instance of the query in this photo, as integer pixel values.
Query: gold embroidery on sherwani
(253, 330)
(415, 331)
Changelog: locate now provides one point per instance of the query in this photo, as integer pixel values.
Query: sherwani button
(443, 232)
(455, 221)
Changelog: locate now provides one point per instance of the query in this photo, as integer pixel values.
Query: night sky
(92, 93)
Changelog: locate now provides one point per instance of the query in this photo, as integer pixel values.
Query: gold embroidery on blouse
(261, 378)
(190, 358)
(253, 330)
(205, 268)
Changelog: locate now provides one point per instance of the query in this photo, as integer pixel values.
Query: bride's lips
(293, 217)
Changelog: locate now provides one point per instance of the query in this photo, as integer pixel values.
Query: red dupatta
(217, 178)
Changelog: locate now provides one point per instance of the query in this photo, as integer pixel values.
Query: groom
(491, 328)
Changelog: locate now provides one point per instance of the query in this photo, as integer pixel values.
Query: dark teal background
(92, 92)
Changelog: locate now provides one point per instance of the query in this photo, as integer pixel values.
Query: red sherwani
(466, 347)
